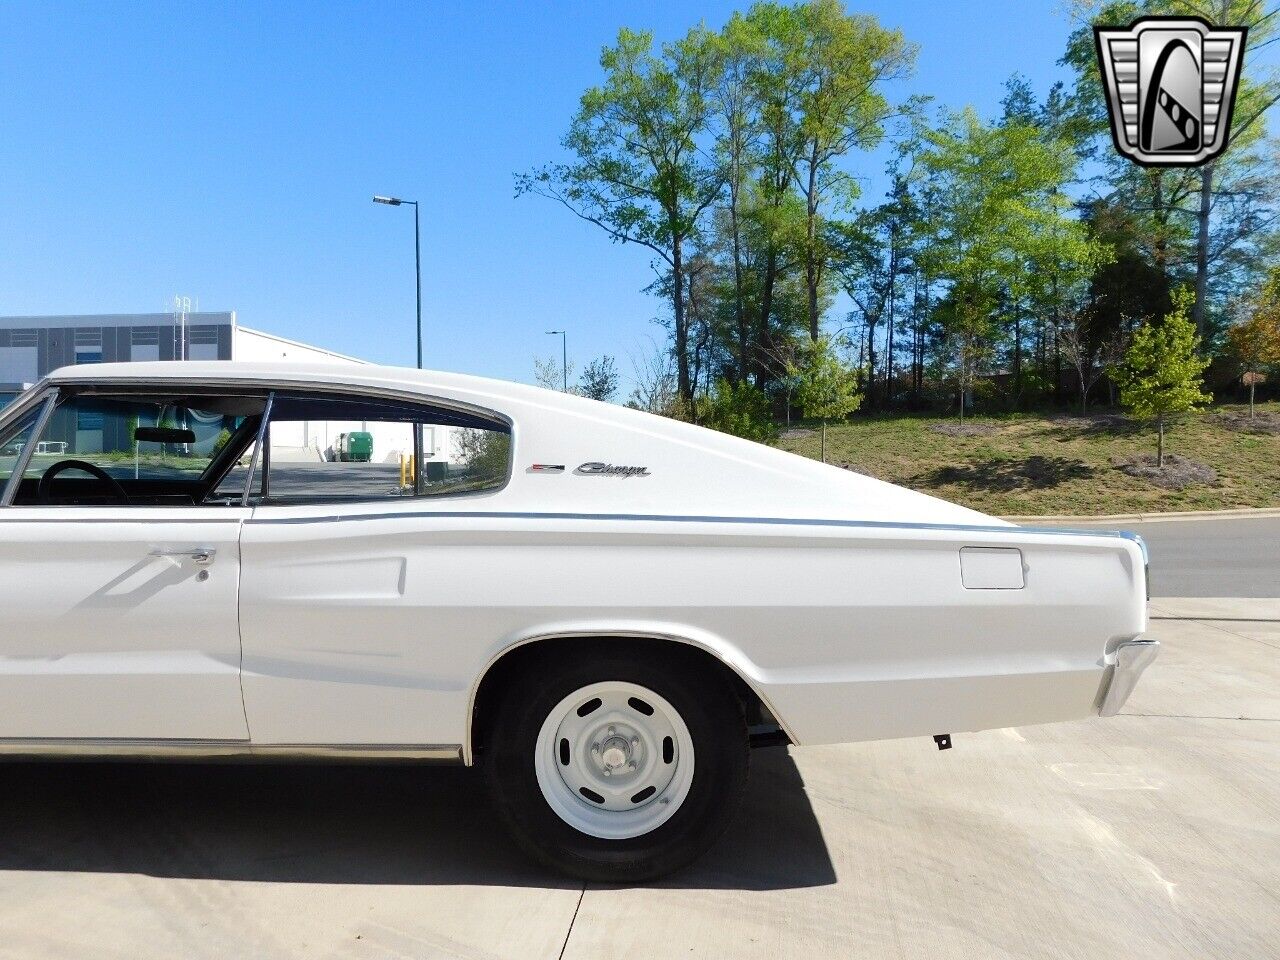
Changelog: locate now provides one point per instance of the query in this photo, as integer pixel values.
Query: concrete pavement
(1154, 834)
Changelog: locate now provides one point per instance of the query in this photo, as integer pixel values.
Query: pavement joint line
(572, 920)
(1200, 716)
(1239, 636)
(1217, 619)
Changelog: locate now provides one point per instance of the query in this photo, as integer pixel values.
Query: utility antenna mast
(181, 307)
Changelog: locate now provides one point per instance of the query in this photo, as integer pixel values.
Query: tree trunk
(888, 348)
(1202, 250)
(811, 267)
(1018, 359)
(739, 310)
(1161, 249)
(767, 283)
(824, 441)
(1084, 397)
(1250, 399)
(1160, 442)
(872, 323)
(683, 385)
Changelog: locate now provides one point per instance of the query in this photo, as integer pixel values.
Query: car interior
(99, 449)
(109, 447)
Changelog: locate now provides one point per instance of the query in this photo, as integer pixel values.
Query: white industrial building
(31, 347)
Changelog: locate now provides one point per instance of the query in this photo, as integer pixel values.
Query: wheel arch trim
(699, 639)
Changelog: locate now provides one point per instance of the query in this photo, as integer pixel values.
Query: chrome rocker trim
(224, 750)
(1131, 658)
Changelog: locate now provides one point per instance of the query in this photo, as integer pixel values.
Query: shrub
(742, 410)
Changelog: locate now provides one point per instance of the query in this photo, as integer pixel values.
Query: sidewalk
(1241, 514)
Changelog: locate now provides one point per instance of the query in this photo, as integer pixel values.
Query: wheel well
(682, 656)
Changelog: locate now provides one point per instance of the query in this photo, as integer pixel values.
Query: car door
(345, 590)
(120, 621)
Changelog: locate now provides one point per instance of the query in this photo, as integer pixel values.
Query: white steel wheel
(614, 760)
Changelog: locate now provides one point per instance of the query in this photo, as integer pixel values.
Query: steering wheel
(46, 479)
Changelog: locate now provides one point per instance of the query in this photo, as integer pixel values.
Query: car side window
(13, 440)
(323, 449)
(126, 449)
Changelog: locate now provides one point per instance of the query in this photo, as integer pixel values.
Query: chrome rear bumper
(1130, 659)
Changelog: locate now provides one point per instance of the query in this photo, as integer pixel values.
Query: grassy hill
(1037, 464)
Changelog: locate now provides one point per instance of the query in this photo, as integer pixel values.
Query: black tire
(710, 710)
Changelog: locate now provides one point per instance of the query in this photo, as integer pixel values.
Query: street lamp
(417, 259)
(564, 354)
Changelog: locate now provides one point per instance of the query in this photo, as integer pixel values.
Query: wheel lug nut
(595, 749)
(612, 730)
(635, 743)
(631, 765)
(608, 771)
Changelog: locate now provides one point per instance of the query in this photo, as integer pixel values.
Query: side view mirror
(163, 435)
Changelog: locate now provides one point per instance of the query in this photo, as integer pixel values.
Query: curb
(1237, 514)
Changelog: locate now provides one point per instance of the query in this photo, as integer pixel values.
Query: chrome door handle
(201, 555)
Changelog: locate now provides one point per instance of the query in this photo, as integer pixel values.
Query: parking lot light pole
(564, 354)
(417, 259)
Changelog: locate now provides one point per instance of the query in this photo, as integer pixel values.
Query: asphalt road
(1238, 557)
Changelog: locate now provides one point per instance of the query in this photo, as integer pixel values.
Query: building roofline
(153, 319)
(300, 344)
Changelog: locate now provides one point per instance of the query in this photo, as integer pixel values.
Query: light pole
(417, 259)
(564, 354)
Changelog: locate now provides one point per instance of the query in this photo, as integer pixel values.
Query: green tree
(1255, 342)
(828, 389)
(1161, 373)
(640, 171)
(845, 62)
(1204, 222)
(998, 234)
(741, 409)
(599, 380)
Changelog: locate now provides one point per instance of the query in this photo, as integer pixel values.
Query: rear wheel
(618, 769)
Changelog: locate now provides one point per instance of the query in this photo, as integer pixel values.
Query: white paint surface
(836, 597)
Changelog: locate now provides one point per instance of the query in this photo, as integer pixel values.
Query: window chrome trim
(258, 446)
(24, 459)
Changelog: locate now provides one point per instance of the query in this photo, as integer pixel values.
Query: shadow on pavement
(348, 824)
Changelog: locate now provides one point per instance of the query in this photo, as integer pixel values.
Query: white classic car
(602, 608)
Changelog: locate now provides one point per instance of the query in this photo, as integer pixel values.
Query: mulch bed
(1239, 420)
(1178, 471)
(964, 429)
(1092, 422)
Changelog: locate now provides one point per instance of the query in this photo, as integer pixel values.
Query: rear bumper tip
(1131, 658)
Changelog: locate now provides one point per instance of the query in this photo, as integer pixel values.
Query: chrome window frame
(50, 400)
(259, 445)
(350, 392)
(271, 385)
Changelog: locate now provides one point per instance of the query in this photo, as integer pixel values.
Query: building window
(144, 343)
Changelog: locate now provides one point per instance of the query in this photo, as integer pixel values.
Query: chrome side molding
(1131, 658)
(225, 750)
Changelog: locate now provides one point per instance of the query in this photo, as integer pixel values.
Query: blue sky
(228, 152)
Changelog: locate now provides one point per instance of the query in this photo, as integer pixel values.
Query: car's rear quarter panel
(377, 629)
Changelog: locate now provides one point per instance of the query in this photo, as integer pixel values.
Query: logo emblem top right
(1171, 86)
